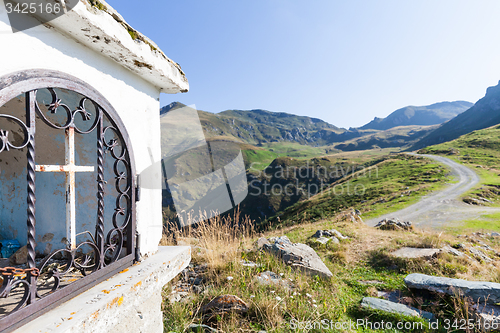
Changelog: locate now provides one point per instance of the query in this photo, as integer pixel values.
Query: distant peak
(171, 106)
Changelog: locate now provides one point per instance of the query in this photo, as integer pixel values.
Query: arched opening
(67, 192)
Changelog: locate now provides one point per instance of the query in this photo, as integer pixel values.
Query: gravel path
(444, 207)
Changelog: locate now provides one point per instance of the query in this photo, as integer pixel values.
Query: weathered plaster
(128, 302)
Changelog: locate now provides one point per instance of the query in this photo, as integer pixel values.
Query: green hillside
(402, 136)
(258, 127)
(378, 186)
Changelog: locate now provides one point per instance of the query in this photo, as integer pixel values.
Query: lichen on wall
(134, 34)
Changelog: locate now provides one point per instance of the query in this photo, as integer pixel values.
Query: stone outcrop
(480, 292)
(300, 256)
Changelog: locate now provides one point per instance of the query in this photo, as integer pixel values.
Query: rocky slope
(485, 113)
(433, 114)
(259, 126)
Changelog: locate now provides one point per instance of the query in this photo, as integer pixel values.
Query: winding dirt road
(442, 208)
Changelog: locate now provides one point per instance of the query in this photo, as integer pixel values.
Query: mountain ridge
(485, 113)
(427, 115)
(258, 126)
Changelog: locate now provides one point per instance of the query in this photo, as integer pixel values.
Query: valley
(307, 181)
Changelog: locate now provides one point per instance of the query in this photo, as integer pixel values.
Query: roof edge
(101, 28)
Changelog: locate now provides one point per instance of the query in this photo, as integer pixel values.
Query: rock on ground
(268, 278)
(329, 233)
(261, 242)
(480, 292)
(388, 306)
(395, 296)
(225, 303)
(414, 253)
(299, 256)
(248, 263)
(198, 328)
(455, 252)
(324, 240)
(191, 281)
(488, 316)
(478, 254)
(393, 224)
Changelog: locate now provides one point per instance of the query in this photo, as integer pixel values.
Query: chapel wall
(135, 100)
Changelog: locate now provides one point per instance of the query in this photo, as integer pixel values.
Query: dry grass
(221, 243)
(215, 241)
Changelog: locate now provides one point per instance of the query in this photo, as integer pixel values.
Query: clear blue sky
(342, 61)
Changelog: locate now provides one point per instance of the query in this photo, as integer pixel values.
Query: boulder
(495, 234)
(369, 282)
(479, 291)
(395, 296)
(391, 307)
(298, 255)
(415, 253)
(225, 303)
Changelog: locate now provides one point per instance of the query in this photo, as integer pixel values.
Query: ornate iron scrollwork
(102, 248)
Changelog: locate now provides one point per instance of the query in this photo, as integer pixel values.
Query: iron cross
(70, 169)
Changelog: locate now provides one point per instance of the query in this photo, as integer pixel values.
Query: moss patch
(99, 5)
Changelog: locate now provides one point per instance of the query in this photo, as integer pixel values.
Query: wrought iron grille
(88, 257)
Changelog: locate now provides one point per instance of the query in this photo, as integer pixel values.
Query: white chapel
(79, 135)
